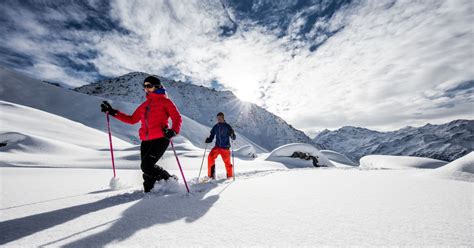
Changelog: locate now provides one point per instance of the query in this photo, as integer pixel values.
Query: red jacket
(154, 114)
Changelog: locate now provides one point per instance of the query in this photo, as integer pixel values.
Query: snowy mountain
(202, 104)
(20, 89)
(446, 142)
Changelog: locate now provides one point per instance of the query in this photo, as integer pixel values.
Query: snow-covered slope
(399, 162)
(85, 109)
(444, 142)
(202, 104)
(461, 168)
(35, 138)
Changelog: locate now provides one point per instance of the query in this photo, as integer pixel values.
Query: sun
(247, 95)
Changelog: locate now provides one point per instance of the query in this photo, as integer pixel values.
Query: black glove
(208, 140)
(169, 133)
(105, 107)
(232, 136)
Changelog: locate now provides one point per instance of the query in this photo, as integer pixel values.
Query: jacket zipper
(146, 120)
(220, 143)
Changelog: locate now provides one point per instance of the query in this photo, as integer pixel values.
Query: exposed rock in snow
(286, 155)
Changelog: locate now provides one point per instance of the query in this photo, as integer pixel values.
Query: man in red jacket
(154, 132)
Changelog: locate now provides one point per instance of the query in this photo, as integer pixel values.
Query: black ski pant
(151, 151)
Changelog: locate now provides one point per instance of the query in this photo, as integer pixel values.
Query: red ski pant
(211, 161)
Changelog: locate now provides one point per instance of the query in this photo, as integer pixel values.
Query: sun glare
(247, 95)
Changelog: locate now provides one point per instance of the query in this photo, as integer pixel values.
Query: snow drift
(461, 169)
(246, 152)
(32, 137)
(338, 157)
(399, 162)
(283, 154)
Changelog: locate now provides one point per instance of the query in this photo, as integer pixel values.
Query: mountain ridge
(202, 104)
(447, 141)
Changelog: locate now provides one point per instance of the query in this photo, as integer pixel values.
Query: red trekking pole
(179, 165)
(110, 142)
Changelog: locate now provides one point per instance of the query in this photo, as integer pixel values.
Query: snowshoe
(206, 179)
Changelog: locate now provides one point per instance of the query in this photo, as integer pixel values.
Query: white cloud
(376, 71)
(186, 36)
(388, 67)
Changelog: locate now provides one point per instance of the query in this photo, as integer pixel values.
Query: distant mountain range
(202, 104)
(445, 142)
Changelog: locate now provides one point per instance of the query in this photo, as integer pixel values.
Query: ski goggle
(149, 86)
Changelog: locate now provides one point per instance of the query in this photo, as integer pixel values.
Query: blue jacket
(222, 131)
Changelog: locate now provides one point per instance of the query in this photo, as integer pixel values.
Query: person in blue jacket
(222, 131)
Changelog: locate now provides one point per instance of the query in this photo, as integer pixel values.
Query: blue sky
(317, 64)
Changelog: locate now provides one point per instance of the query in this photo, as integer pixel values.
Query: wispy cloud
(377, 71)
(378, 64)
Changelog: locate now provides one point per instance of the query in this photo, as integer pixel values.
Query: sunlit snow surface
(55, 191)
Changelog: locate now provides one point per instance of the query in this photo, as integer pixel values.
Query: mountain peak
(202, 104)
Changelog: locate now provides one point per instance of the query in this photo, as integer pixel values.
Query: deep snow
(55, 174)
(312, 207)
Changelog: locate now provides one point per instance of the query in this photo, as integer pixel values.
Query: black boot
(148, 183)
(162, 174)
(213, 172)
